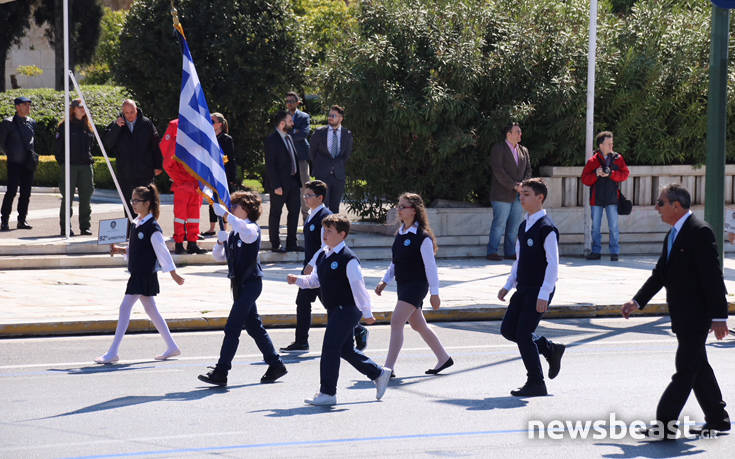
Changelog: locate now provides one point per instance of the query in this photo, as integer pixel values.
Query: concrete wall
(34, 49)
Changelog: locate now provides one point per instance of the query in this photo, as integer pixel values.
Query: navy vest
(243, 262)
(407, 260)
(141, 256)
(313, 234)
(334, 285)
(532, 257)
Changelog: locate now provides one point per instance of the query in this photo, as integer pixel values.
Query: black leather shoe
(509, 257)
(593, 256)
(179, 248)
(62, 233)
(279, 249)
(443, 366)
(658, 434)
(194, 249)
(530, 390)
(296, 347)
(361, 338)
(494, 257)
(710, 429)
(216, 377)
(274, 372)
(4, 227)
(24, 225)
(295, 248)
(555, 360)
(86, 232)
(614, 257)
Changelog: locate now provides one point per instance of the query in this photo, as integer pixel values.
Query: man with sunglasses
(330, 149)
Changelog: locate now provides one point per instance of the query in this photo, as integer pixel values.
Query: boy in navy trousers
(343, 293)
(314, 193)
(534, 275)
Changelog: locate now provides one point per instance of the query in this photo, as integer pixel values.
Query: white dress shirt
(247, 230)
(354, 276)
(427, 255)
(551, 247)
(165, 261)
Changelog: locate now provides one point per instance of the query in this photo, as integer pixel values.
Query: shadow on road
(653, 449)
(107, 368)
(488, 403)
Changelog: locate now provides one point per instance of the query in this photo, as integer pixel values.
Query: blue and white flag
(196, 143)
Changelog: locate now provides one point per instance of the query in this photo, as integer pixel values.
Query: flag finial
(175, 16)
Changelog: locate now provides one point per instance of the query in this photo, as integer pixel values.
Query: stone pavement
(74, 301)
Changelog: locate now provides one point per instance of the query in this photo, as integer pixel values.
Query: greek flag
(196, 143)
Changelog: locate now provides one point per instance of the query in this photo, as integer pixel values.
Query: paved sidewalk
(74, 301)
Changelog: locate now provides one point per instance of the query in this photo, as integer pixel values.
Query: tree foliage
(246, 53)
(14, 17)
(106, 55)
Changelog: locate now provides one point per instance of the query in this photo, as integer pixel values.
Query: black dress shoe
(710, 429)
(509, 257)
(294, 248)
(593, 256)
(296, 347)
(4, 227)
(62, 233)
(24, 225)
(614, 257)
(179, 248)
(194, 249)
(215, 376)
(278, 249)
(361, 338)
(86, 232)
(494, 257)
(658, 434)
(443, 366)
(555, 360)
(530, 390)
(274, 372)
(208, 233)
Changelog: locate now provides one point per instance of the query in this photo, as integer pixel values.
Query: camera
(606, 170)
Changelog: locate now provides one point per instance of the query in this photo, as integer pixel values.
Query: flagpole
(68, 195)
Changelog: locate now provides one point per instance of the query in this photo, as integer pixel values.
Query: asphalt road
(57, 403)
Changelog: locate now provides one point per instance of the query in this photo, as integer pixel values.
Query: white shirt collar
(338, 128)
(313, 212)
(679, 223)
(412, 229)
(139, 222)
(533, 218)
(338, 248)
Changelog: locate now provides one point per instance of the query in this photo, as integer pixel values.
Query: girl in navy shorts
(414, 268)
(145, 250)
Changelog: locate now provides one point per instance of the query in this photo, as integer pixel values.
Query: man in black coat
(133, 140)
(17, 136)
(329, 150)
(689, 269)
(284, 184)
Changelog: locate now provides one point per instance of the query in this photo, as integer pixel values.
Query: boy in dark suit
(689, 269)
(534, 275)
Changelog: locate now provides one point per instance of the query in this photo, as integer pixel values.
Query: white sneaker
(381, 382)
(322, 400)
(168, 354)
(107, 359)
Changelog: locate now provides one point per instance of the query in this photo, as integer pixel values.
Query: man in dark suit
(330, 149)
(300, 133)
(510, 165)
(689, 269)
(284, 184)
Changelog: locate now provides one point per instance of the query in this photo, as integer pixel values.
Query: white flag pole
(102, 147)
(67, 194)
(590, 122)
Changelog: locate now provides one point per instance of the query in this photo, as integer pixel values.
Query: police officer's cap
(21, 100)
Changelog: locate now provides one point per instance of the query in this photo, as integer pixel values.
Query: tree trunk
(3, 56)
(59, 45)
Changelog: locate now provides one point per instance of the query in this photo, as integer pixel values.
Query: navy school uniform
(521, 319)
(306, 296)
(142, 261)
(410, 271)
(342, 317)
(246, 279)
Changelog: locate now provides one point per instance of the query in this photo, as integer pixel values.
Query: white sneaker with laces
(322, 400)
(381, 382)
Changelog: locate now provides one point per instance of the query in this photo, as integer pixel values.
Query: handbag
(625, 206)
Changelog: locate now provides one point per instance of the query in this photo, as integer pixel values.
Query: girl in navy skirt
(414, 268)
(145, 250)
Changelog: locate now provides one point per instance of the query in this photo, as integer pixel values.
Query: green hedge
(48, 105)
(48, 174)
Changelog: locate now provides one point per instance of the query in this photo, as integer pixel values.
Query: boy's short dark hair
(537, 185)
(249, 201)
(317, 186)
(339, 222)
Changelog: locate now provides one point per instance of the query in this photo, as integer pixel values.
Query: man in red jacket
(603, 173)
(187, 199)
